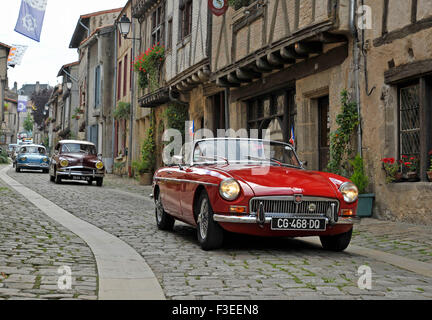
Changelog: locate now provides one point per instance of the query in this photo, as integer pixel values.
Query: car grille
(286, 206)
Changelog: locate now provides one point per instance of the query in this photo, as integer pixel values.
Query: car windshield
(33, 150)
(245, 151)
(78, 148)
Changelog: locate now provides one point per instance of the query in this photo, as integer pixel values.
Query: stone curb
(123, 273)
(422, 268)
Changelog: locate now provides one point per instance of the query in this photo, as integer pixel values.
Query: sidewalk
(33, 248)
(398, 238)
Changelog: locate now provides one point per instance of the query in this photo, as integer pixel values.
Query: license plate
(298, 224)
(79, 178)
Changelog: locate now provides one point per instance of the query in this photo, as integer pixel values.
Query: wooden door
(324, 132)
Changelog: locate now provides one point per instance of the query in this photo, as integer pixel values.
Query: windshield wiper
(215, 158)
(263, 160)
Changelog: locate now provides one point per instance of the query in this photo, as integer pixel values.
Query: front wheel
(338, 242)
(210, 233)
(17, 169)
(163, 220)
(99, 182)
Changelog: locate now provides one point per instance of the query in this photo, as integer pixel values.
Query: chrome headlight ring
(229, 189)
(349, 191)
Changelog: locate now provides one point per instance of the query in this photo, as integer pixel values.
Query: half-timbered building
(282, 65)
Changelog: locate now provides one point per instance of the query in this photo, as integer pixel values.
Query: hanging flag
(31, 17)
(292, 139)
(22, 104)
(192, 128)
(16, 54)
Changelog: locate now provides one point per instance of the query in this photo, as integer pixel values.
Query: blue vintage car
(32, 157)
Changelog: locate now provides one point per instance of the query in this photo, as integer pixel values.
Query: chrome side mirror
(304, 164)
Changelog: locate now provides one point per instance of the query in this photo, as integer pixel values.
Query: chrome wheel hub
(203, 219)
(159, 209)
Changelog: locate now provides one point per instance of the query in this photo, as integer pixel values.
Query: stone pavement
(246, 267)
(33, 248)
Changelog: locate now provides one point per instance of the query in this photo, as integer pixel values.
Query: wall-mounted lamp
(124, 26)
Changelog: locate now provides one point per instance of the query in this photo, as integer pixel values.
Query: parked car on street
(31, 157)
(76, 160)
(255, 187)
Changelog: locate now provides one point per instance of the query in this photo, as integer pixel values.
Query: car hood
(79, 159)
(275, 180)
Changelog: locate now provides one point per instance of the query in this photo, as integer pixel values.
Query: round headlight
(45, 159)
(349, 192)
(23, 158)
(99, 165)
(64, 163)
(229, 189)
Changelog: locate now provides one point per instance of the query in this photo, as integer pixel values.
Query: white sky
(43, 59)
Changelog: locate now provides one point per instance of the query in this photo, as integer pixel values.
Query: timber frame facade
(282, 65)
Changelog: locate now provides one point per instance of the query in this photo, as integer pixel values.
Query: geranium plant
(391, 168)
(147, 65)
(409, 163)
(430, 160)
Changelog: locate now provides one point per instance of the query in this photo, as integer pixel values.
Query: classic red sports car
(76, 160)
(255, 187)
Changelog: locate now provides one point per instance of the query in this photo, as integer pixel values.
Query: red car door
(170, 185)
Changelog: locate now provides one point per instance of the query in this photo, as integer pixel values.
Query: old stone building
(94, 39)
(182, 27)
(286, 62)
(123, 89)
(72, 113)
(4, 53)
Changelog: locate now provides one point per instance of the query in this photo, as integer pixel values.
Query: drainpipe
(227, 120)
(356, 57)
(132, 107)
(114, 96)
(85, 27)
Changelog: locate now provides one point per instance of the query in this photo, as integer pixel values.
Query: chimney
(15, 87)
(37, 87)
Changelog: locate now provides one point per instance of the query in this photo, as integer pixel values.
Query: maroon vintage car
(76, 160)
(255, 187)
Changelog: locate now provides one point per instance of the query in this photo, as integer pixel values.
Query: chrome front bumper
(32, 165)
(87, 174)
(253, 219)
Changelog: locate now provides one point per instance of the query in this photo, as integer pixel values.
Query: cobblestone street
(33, 247)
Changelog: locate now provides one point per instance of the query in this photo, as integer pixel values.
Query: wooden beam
(327, 37)
(408, 71)
(304, 48)
(275, 59)
(244, 74)
(288, 53)
(284, 77)
(223, 82)
(403, 32)
(413, 11)
(263, 65)
(233, 78)
(385, 17)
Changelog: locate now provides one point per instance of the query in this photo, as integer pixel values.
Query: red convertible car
(255, 187)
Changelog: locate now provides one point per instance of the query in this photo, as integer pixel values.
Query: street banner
(22, 104)
(16, 54)
(218, 7)
(31, 17)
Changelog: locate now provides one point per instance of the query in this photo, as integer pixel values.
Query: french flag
(292, 139)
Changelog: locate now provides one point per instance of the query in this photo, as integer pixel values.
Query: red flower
(430, 153)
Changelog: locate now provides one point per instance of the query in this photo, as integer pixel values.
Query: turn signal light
(238, 209)
(348, 213)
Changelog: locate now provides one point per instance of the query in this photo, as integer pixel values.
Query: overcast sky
(44, 59)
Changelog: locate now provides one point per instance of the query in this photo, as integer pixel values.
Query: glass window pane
(410, 121)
